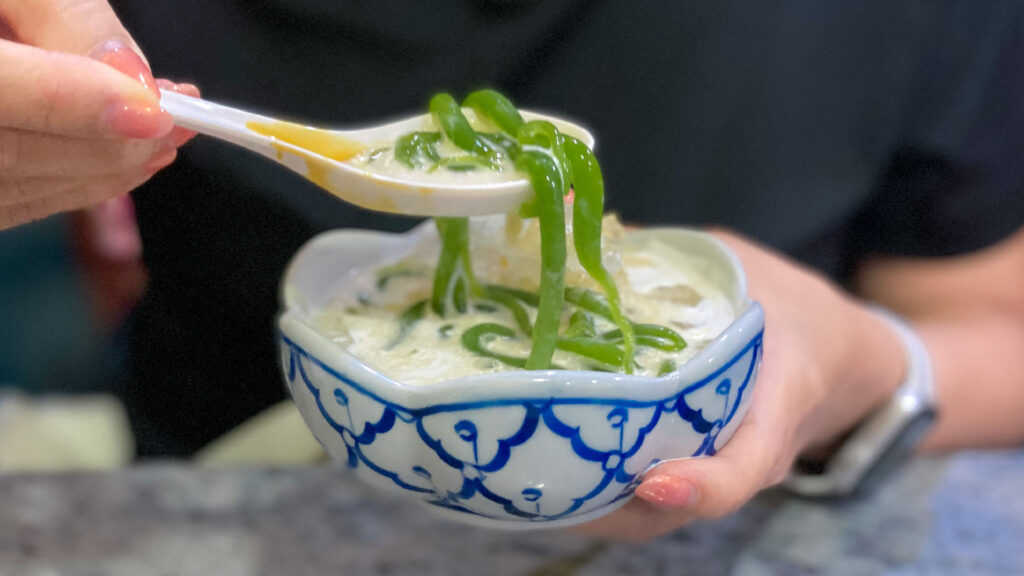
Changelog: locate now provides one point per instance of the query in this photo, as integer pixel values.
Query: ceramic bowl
(514, 449)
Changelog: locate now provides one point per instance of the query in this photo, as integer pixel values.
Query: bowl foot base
(522, 525)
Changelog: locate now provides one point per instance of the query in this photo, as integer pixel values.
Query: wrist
(881, 359)
(883, 438)
(868, 367)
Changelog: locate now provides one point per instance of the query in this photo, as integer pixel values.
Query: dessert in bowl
(500, 394)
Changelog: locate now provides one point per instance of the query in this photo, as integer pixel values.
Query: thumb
(81, 27)
(75, 97)
(756, 457)
(71, 26)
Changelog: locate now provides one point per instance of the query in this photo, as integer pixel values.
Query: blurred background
(66, 295)
(51, 339)
(62, 352)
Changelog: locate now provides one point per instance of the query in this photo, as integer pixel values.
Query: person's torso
(774, 119)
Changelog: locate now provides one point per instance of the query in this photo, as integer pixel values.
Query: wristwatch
(883, 440)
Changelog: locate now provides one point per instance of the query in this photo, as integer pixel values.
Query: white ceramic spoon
(424, 196)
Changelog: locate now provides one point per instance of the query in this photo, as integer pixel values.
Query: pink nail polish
(668, 491)
(117, 55)
(176, 139)
(186, 89)
(138, 120)
(161, 161)
(181, 136)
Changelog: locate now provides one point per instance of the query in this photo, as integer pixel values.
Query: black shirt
(829, 130)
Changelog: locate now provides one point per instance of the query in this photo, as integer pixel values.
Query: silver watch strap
(919, 378)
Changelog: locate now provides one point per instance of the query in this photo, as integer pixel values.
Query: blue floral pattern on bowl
(517, 449)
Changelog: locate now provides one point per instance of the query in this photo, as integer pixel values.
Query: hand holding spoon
(323, 156)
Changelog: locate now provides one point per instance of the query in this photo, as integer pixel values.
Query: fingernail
(189, 90)
(186, 89)
(179, 136)
(121, 57)
(176, 139)
(138, 120)
(161, 161)
(668, 491)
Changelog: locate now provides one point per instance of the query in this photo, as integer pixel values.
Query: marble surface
(961, 515)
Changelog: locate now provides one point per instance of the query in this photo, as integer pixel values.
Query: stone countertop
(954, 516)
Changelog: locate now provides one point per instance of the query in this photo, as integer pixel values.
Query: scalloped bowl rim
(295, 324)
